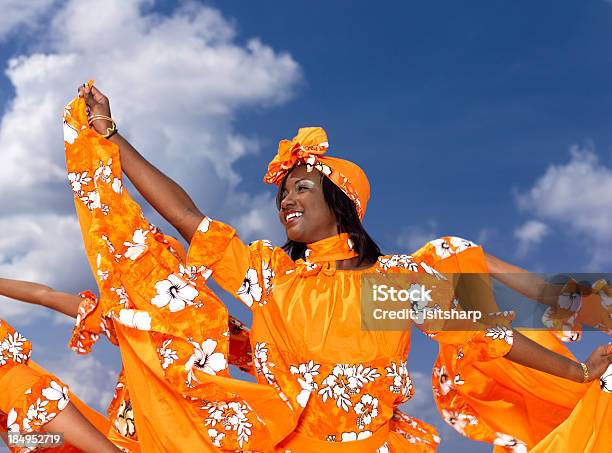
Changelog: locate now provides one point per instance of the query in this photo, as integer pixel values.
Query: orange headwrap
(308, 147)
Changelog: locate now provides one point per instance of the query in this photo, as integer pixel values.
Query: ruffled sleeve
(89, 324)
(578, 304)
(464, 262)
(245, 271)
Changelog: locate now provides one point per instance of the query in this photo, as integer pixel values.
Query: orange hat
(308, 147)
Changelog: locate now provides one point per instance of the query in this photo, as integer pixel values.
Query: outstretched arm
(529, 353)
(35, 293)
(524, 282)
(161, 192)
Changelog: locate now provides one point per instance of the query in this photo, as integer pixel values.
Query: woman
(306, 327)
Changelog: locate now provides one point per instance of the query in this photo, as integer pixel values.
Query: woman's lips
(293, 220)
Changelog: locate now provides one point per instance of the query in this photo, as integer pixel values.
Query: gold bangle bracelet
(110, 131)
(93, 118)
(585, 372)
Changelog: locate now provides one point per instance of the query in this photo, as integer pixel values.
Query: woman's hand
(98, 105)
(599, 360)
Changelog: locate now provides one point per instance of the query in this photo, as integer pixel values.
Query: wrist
(582, 372)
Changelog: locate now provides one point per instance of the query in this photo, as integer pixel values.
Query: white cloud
(576, 196)
(529, 234)
(175, 83)
(412, 238)
(259, 220)
(19, 14)
(45, 249)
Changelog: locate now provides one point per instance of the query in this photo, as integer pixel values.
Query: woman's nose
(287, 201)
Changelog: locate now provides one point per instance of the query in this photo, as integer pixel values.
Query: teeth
(293, 215)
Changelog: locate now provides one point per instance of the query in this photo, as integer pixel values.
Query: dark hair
(347, 221)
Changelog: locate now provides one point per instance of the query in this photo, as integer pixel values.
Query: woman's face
(303, 210)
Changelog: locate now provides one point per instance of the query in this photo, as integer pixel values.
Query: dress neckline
(334, 248)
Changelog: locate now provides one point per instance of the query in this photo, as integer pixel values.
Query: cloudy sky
(488, 121)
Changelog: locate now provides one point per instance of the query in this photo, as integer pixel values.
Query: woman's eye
(302, 187)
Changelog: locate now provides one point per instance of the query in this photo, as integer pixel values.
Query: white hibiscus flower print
(124, 422)
(605, 381)
(70, 133)
(57, 393)
(232, 416)
(366, 409)
(306, 372)
(323, 168)
(205, 359)
(500, 332)
(406, 262)
(402, 383)
(104, 172)
(216, 437)
(204, 225)
(77, 181)
(135, 319)
(443, 249)
(458, 420)
(340, 385)
(124, 299)
(169, 355)
(174, 292)
(515, 445)
(37, 412)
(351, 436)
(11, 422)
(262, 365)
(250, 290)
(92, 200)
(117, 185)
(268, 275)
(193, 272)
(461, 244)
(444, 381)
(137, 246)
(13, 345)
(384, 448)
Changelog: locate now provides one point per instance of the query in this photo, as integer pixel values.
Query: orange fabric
(307, 335)
(514, 407)
(172, 330)
(308, 147)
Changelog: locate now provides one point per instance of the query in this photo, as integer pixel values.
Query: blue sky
(484, 120)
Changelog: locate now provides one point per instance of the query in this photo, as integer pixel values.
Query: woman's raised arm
(160, 191)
